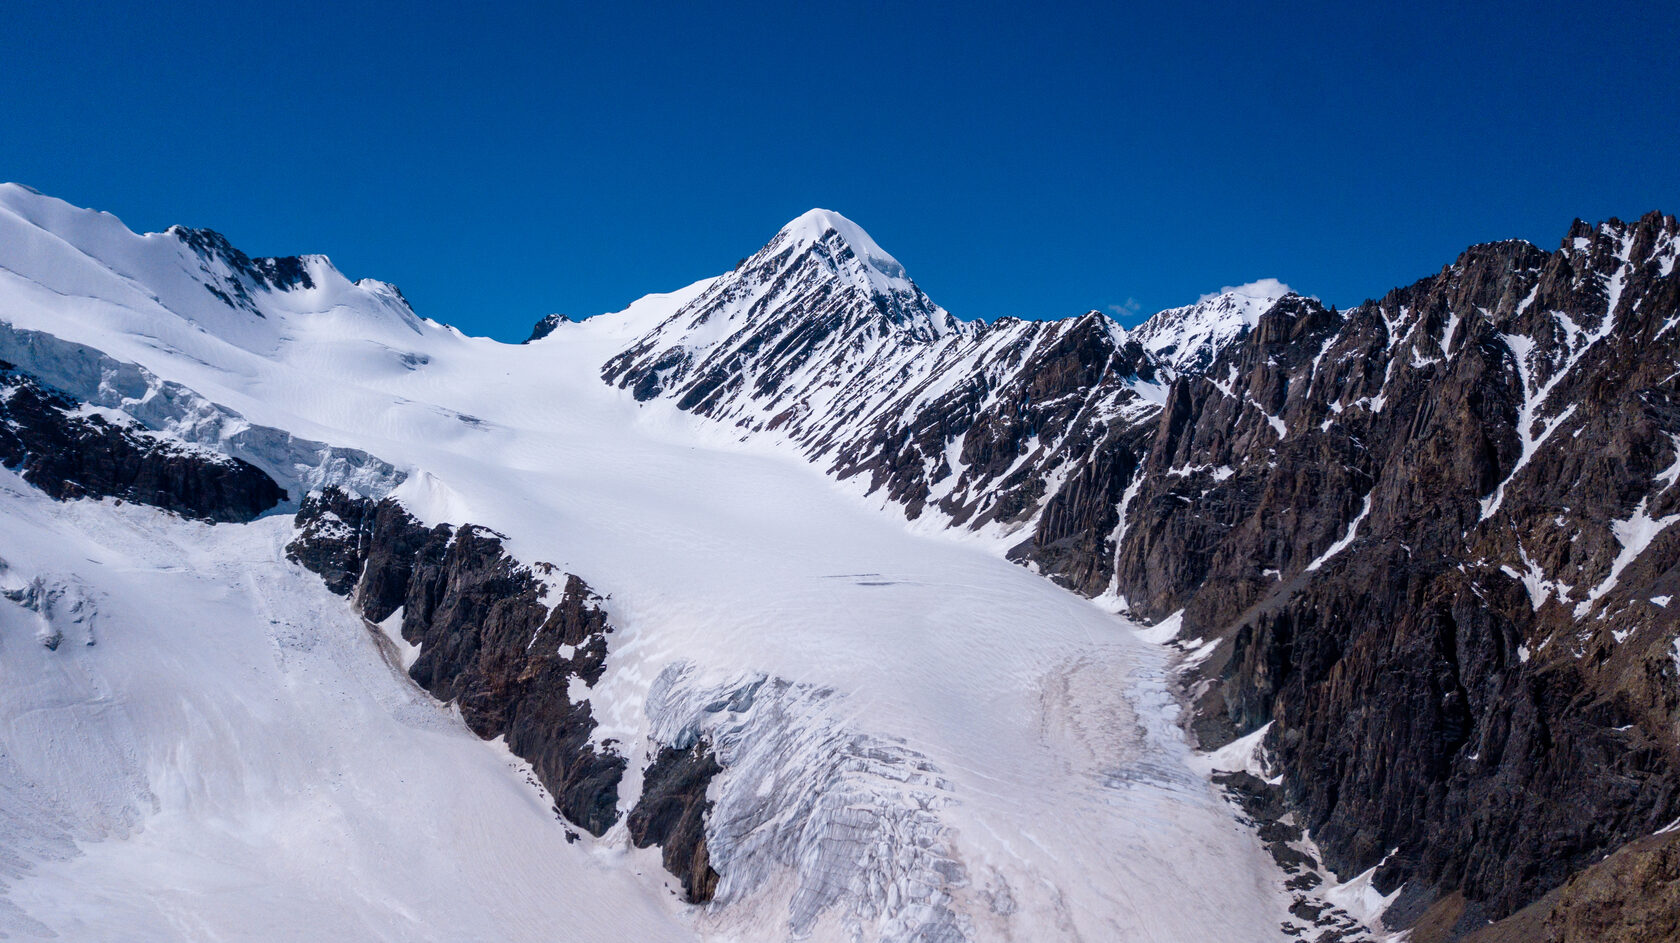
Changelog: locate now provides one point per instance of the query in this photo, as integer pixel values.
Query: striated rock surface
(1439, 562)
(1633, 896)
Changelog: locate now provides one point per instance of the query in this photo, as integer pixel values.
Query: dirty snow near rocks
(940, 743)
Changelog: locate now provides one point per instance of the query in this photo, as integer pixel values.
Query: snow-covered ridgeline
(1190, 338)
(808, 345)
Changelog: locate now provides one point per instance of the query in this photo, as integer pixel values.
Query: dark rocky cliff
(672, 814)
(490, 640)
(495, 641)
(1427, 560)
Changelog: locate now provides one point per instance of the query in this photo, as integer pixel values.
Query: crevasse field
(946, 741)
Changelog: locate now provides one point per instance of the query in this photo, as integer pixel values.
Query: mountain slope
(1411, 567)
(848, 360)
(217, 748)
(1457, 549)
(1190, 338)
(1424, 548)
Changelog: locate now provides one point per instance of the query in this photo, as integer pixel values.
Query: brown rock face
(672, 814)
(1633, 896)
(1428, 563)
(490, 639)
(493, 642)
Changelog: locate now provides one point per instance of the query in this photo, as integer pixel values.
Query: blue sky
(504, 162)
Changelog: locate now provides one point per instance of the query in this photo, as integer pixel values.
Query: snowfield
(920, 740)
(220, 750)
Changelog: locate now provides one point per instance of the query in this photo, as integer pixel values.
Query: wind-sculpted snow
(63, 606)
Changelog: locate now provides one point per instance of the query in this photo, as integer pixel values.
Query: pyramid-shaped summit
(820, 294)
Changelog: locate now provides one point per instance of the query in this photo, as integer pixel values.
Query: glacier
(920, 740)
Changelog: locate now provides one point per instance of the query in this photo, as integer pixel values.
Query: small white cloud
(1131, 307)
(1263, 288)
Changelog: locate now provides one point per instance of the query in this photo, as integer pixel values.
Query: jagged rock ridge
(489, 641)
(820, 337)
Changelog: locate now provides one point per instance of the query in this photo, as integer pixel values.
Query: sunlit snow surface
(937, 745)
(232, 758)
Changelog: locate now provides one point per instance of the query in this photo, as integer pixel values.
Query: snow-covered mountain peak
(1189, 338)
(815, 226)
(821, 296)
(844, 249)
(186, 289)
(1264, 291)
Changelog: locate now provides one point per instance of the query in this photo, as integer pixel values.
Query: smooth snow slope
(218, 750)
(994, 757)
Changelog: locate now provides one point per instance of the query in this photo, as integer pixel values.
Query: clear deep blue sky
(503, 162)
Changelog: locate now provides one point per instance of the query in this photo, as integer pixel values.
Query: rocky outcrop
(545, 327)
(69, 451)
(515, 648)
(1633, 896)
(672, 814)
(1433, 537)
(232, 276)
